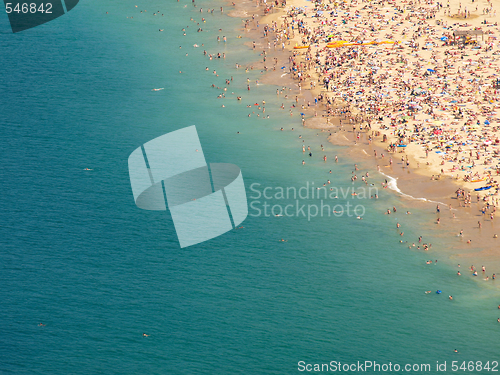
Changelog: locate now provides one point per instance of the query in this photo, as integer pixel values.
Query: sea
(92, 284)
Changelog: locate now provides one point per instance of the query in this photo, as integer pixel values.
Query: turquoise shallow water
(78, 256)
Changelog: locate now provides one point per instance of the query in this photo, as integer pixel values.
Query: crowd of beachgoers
(418, 79)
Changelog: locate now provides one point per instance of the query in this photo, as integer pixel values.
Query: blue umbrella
(444, 39)
(486, 122)
(431, 70)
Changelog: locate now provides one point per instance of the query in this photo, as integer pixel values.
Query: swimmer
(282, 240)
(450, 297)
(41, 325)
(144, 335)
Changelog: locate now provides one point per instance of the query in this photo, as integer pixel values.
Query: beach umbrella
(486, 122)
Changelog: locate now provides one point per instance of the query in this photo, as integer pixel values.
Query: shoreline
(419, 188)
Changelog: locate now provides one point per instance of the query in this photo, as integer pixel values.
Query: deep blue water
(77, 255)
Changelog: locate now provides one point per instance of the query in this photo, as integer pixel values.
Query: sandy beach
(409, 87)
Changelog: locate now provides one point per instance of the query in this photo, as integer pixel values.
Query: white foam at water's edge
(392, 183)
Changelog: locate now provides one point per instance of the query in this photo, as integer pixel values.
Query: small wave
(392, 183)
